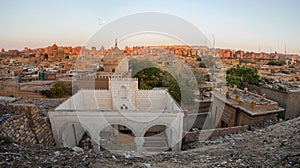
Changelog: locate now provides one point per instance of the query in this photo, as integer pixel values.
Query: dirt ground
(272, 146)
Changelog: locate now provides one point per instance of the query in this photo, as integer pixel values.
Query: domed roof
(114, 53)
(54, 47)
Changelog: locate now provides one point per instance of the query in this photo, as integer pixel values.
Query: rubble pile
(44, 105)
(273, 146)
(24, 124)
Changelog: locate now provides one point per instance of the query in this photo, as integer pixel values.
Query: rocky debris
(274, 146)
(25, 124)
(6, 99)
(44, 105)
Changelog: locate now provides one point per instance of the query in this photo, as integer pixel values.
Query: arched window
(123, 92)
(113, 70)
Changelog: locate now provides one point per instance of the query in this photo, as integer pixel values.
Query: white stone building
(120, 118)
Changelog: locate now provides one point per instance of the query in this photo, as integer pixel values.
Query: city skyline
(265, 26)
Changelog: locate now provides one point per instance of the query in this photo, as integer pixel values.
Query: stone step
(155, 149)
(156, 144)
(155, 138)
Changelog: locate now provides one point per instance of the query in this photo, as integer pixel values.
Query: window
(113, 70)
(123, 92)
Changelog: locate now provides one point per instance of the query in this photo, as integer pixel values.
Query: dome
(54, 47)
(115, 61)
(114, 53)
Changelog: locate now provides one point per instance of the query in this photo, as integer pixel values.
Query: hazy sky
(238, 24)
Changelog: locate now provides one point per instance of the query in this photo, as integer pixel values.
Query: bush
(58, 90)
(275, 63)
(240, 74)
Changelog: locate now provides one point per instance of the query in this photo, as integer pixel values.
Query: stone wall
(204, 106)
(92, 83)
(289, 100)
(293, 107)
(196, 136)
(25, 124)
(23, 94)
(275, 95)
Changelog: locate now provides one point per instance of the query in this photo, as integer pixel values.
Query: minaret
(214, 41)
(285, 52)
(214, 45)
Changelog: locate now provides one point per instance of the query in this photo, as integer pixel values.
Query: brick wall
(26, 125)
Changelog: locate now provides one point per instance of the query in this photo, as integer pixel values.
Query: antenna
(214, 45)
(116, 42)
(214, 41)
(285, 52)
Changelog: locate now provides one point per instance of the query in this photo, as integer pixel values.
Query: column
(139, 141)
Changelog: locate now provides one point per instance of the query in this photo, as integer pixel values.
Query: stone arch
(134, 131)
(155, 130)
(157, 137)
(117, 137)
(167, 125)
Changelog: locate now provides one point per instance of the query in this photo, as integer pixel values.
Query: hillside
(272, 146)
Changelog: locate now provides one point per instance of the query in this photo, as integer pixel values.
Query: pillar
(139, 141)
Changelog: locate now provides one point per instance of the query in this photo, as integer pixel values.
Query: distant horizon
(123, 48)
(254, 25)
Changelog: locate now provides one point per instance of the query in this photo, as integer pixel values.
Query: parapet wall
(25, 124)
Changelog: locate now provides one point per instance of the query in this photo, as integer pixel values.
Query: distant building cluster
(104, 83)
(28, 72)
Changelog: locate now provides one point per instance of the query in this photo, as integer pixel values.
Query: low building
(237, 107)
(12, 88)
(287, 97)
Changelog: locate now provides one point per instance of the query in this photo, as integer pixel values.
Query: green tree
(154, 77)
(58, 90)
(240, 74)
(276, 63)
(137, 65)
(150, 76)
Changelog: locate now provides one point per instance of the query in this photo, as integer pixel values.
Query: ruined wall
(276, 95)
(245, 119)
(195, 136)
(25, 124)
(288, 100)
(195, 121)
(204, 106)
(23, 94)
(92, 83)
(293, 108)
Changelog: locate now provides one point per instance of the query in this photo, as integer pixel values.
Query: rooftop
(251, 103)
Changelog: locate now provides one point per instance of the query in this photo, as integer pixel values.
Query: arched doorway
(86, 142)
(72, 134)
(117, 137)
(156, 139)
